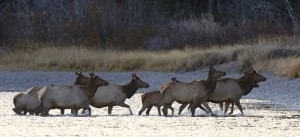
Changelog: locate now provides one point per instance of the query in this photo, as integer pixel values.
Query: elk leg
(109, 109)
(83, 111)
(17, 111)
(189, 107)
(149, 109)
(31, 113)
(195, 103)
(207, 107)
(193, 107)
(232, 107)
(238, 104)
(87, 108)
(127, 106)
(181, 108)
(226, 108)
(172, 109)
(62, 111)
(203, 109)
(45, 111)
(142, 110)
(75, 111)
(158, 110)
(221, 106)
(36, 113)
(165, 110)
(25, 112)
(38, 110)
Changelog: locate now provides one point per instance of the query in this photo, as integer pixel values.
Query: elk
(69, 97)
(153, 98)
(115, 95)
(230, 90)
(194, 92)
(28, 101)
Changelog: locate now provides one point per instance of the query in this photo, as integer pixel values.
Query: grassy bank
(276, 57)
(70, 58)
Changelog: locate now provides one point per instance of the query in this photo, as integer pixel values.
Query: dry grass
(289, 67)
(282, 59)
(274, 56)
(70, 58)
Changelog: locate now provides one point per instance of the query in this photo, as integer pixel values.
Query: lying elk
(153, 98)
(230, 90)
(194, 92)
(69, 97)
(115, 95)
(29, 101)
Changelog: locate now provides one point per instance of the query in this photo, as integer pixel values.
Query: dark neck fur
(246, 84)
(129, 89)
(77, 82)
(210, 84)
(90, 89)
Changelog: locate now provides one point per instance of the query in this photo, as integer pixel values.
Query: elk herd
(98, 93)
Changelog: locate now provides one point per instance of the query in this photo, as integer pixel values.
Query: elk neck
(129, 89)
(246, 84)
(90, 88)
(210, 84)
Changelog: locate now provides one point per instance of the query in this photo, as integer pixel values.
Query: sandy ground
(270, 110)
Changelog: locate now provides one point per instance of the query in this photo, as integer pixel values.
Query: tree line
(145, 24)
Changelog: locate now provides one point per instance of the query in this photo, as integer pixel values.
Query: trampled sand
(270, 110)
(258, 121)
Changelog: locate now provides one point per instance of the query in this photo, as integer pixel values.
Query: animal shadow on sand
(114, 115)
(59, 115)
(288, 117)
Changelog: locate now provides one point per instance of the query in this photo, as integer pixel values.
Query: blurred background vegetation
(145, 24)
(150, 35)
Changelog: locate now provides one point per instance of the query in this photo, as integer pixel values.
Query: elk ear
(92, 74)
(133, 75)
(78, 73)
(251, 70)
(211, 68)
(174, 79)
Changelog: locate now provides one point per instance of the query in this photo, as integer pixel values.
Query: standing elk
(29, 102)
(230, 90)
(69, 97)
(194, 92)
(115, 95)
